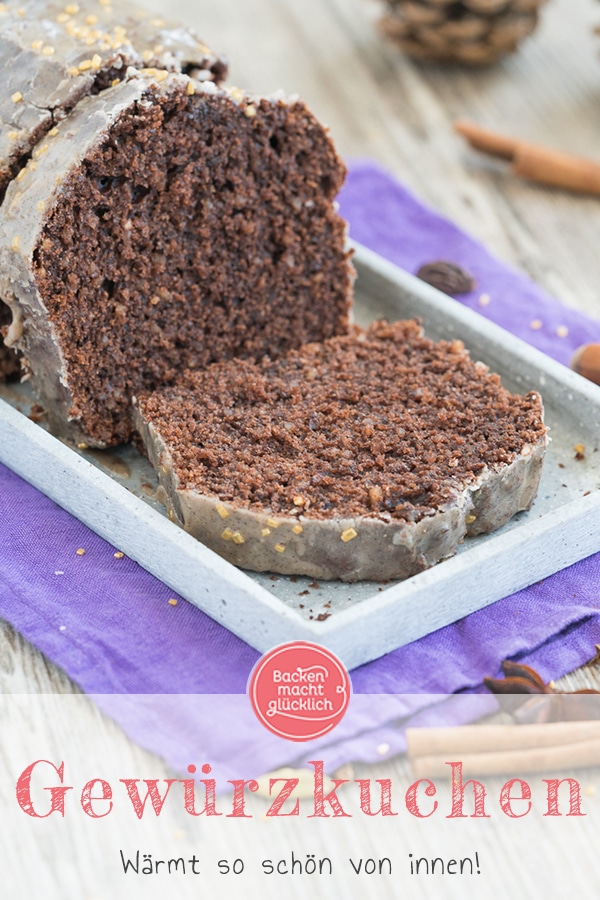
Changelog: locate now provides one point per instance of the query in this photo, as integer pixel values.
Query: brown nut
(447, 276)
(586, 362)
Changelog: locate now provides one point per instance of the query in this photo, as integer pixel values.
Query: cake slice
(367, 456)
(165, 224)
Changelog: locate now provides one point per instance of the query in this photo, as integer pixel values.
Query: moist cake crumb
(383, 426)
(186, 234)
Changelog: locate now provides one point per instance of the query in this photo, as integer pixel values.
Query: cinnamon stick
(487, 141)
(557, 169)
(512, 762)
(488, 738)
(504, 749)
(535, 162)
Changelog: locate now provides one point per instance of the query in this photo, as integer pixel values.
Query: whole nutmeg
(586, 362)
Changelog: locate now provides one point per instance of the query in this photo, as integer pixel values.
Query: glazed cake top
(54, 53)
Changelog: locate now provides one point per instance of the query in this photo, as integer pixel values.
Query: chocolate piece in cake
(9, 360)
(168, 224)
(368, 456)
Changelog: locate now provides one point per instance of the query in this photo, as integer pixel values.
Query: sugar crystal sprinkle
(280, 547)
(80, 551)
(297, 529)
(562, 331)
(119, 554)
(173, 601)
(349, 534)
(16, 97)
(536, 324)
(223, 512)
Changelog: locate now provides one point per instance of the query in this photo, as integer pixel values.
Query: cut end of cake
(368, 456)
(199, 224)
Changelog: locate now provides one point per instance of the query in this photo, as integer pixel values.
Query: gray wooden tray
(113, 493)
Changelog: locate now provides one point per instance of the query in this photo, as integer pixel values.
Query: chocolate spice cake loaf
(164, 224)
(368, 456)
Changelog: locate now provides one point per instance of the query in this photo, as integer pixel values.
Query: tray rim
(261, 618)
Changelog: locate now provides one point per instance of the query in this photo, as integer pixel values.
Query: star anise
(548, 704)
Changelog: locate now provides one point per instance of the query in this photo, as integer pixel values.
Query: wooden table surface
(381, 105)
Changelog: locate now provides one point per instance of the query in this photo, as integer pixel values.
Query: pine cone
(472, 32)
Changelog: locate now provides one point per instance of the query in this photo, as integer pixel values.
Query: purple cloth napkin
(110, 626)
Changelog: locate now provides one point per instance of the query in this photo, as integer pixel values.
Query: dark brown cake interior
(382, 422)
(197, 231)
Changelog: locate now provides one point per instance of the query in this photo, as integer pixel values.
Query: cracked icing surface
(52, 54)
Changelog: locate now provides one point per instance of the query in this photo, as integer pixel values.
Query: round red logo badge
(299, 690)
